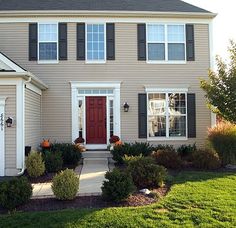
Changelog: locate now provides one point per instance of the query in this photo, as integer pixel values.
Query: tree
(220, 88)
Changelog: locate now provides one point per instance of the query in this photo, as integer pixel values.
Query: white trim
(211, 53)
(11, 64)
(2, 138)
(33, 88)
(75, 96)
(166, 90)
(54, 61)
(102, 61)
(167, 115)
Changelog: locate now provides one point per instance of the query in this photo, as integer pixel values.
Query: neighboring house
(67, 68)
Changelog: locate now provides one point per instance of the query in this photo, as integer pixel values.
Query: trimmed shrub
(223, 140)
(118, 186)
(205, 159)
(71, 154)
(65, 185)
(186, 151)
(163, 147)
(167, 158)
(15, 192)
(134, 149)
(145, 173)
(35, 164)
(53, 161)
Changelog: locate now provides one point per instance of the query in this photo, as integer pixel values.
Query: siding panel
(32, 119)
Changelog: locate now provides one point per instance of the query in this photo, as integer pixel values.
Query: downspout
(23, 154)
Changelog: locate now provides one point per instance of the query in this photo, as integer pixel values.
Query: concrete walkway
(95, 165)
(92, 176)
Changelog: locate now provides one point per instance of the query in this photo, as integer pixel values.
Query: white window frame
(49, 61)
(166, 61)
(166, 92)
(105, 46)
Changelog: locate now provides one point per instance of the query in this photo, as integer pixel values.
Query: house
(68, 68)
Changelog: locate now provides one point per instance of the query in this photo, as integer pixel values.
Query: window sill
(166, 62)
(152, 139)
(48, 61)
(95, 62)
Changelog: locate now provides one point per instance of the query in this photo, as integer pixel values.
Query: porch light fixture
(9, 121)
(126, 107)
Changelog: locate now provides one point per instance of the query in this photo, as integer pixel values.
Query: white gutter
(23, 154)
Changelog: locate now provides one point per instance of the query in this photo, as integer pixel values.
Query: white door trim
(2, 136)
(92, 85)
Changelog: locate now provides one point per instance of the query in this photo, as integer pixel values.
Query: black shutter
(62, 41)
(191, 115)
(110, 32)
(142, 115)
(81, 41)
(142, 42)
(33, 42)
(190, 49)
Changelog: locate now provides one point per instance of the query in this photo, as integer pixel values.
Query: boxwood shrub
(71, 153)
(145, 173)
(118, 186)
(131, 149)
(65, 185)
(15, 192)
(53, 161)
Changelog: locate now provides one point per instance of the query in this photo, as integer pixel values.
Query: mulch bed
(51, 204)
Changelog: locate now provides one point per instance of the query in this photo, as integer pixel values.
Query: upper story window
(167, 115)
(165, 42)
(48, 42)
(95, 47)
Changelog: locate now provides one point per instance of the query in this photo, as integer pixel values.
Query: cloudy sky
(224, 25)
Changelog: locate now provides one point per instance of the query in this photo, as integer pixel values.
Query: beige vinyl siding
(10, 132)
(134, 75)
(32, 119)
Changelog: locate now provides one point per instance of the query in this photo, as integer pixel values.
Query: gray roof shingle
(99, 5)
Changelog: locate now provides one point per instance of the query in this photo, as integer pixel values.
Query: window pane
(177, 126)
(157, 104)
(48, 51)
(176, 52)
(81, 115)
(111, 118)
(156, 51)
(177, 103)
(156, 33)
(48, 32)
(95, 42)
(157, 126)
(175, 33)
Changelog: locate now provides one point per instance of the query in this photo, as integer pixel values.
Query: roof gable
(101, 5)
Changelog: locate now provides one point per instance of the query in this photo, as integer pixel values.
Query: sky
(224, 24)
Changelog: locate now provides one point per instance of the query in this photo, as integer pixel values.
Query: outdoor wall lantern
(126, 107)
(9, 122)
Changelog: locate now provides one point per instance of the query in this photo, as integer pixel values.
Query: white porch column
(2, 136)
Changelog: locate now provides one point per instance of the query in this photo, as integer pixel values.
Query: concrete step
(95, 161)
(96, 154)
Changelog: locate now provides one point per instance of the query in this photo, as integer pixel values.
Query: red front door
(96, 120)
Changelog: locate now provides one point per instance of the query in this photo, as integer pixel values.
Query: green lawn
(202, 199)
